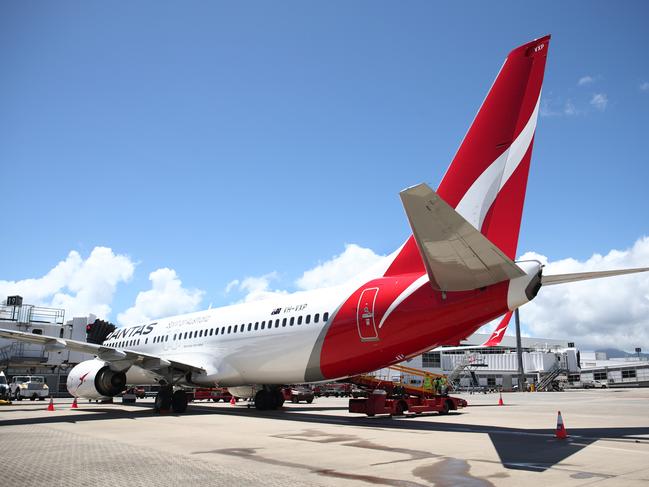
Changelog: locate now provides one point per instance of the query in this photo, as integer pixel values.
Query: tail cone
(50, 407)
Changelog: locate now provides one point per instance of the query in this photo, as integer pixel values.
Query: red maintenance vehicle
(215, 394)
(398, 398)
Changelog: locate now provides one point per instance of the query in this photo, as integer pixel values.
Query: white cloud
(255, 288)
(554, 108)
(79, 286)
(599, 101)
(353, 261)
(585, 80)
(569, 109)
(167, 297)
(608, 312)
(644, 86)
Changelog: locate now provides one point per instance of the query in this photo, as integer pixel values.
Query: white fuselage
(263, 342)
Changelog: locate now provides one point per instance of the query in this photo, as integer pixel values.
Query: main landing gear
(167, 399)
(269, 398)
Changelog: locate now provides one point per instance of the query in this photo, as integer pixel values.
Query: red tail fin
(487, 179)
(497, 335)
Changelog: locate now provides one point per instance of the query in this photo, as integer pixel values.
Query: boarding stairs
(465, 367)
(545, 384)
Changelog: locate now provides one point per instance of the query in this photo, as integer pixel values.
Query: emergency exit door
(367, 330)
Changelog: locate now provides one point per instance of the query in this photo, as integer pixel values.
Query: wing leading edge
(120, 358)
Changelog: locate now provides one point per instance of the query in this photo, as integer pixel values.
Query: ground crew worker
(428, 383)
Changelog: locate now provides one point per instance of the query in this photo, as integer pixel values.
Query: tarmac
(322, 444)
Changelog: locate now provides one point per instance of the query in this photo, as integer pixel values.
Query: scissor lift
(399, 398)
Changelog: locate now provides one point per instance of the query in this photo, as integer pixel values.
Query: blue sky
(230, 140)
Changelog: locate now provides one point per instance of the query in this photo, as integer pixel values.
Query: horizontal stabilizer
(457, 256)
(585, 276)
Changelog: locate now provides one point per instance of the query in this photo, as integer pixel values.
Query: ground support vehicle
(30, 387)
(334, 389)
(297, 394)
(5, 392)
(215, 394)
(380, 403)
(397, 398)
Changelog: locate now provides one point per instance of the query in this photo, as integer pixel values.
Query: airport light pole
(519, 352)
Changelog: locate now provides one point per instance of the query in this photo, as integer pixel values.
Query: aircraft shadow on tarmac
(518, 448)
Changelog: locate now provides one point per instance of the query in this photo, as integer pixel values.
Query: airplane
(454, 273)
(493, 341)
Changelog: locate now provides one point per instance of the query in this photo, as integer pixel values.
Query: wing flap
(457, 256)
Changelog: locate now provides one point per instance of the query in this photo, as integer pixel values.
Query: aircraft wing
(457, 256)
(121, 358)
(584, 276)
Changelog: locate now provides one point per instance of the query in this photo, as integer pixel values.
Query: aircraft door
(367, 330)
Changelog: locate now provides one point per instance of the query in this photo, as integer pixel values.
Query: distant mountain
(617, 353)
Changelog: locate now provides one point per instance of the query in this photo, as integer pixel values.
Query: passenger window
(325, 317)
(284, 322)
(229, 329)
(249, 326)
(277, 323)
(146, 341)
(211, 331)
(292, 321)
(195, 333)
(308, 319)
(316, 317)
(166, 338)
(216, 332)
(241, 328)
(200, 333)
(263, 325)
(299, 320)
(256, 326)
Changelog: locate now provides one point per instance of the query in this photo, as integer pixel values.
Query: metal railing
(30, 314)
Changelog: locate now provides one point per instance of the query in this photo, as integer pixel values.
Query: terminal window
(628, 374)
(599, 376)
(431, 360)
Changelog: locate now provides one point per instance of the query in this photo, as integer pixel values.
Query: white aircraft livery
(456, 272)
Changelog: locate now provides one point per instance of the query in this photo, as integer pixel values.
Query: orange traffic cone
(50, 407)
(500, 400)
(233, 401)
(74, 404)
(561, 429)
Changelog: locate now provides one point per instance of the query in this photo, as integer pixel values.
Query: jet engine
(93, 379)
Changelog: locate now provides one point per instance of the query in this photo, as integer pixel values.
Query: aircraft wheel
(162, 400)
(179, 401)
(278, 398)
(263, 400)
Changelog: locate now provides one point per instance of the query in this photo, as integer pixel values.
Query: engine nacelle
(93, 379)
(245, 392)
